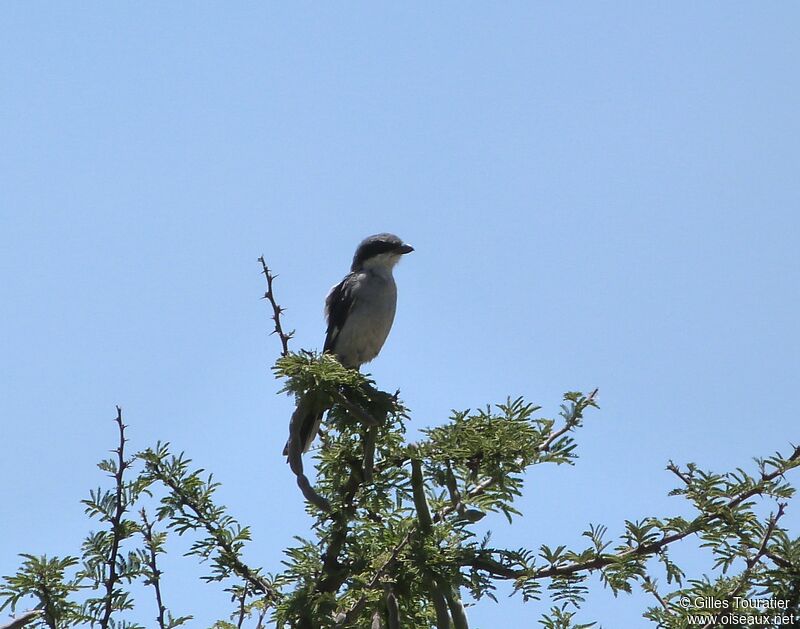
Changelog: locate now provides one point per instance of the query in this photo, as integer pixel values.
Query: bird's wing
(338, 304)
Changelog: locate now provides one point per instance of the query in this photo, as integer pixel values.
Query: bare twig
(677, 471)
(277, 311)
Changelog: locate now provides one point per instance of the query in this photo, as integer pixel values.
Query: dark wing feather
(337, 306)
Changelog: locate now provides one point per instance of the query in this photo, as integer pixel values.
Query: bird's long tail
(304, 424)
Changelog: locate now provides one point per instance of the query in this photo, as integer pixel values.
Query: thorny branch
(116, 523)
(294, 454)
(277, 310)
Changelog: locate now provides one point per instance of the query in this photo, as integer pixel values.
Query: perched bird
(360, 311)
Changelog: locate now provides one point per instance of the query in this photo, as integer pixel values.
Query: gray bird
(360, 311)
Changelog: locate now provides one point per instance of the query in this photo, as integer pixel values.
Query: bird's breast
(368, 322)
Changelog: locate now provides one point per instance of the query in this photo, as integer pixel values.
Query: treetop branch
(277, 311)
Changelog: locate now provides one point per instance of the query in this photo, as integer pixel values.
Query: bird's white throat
(382, 264)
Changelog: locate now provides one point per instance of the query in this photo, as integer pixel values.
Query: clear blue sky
(600, 194)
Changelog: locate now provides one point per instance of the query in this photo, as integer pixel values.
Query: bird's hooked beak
(405, 249)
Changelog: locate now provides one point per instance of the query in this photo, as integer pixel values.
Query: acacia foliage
(395, 537)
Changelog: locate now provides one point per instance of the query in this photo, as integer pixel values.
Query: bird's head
(379, 251)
